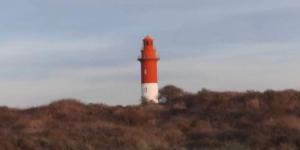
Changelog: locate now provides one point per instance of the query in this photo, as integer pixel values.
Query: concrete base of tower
(150, 92)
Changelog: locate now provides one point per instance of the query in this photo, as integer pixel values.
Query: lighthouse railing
(149, 58)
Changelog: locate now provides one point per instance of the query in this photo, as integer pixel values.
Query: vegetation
(205, 120)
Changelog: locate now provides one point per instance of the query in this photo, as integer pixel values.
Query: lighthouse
(149, 80)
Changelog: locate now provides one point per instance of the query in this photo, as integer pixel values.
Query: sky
(88, 49)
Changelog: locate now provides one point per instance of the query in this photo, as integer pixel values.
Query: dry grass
(205, 120)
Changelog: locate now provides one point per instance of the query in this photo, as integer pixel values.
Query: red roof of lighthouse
(148, 38)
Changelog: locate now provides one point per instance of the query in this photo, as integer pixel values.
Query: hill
(203, 120)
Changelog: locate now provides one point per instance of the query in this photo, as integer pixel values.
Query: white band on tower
(150, 92)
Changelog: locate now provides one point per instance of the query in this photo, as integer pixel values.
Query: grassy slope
(205, 120)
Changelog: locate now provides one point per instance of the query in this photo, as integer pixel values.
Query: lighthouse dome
(148, 40)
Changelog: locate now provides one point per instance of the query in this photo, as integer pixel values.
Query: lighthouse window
(147, 43)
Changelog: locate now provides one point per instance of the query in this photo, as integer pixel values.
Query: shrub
(202, 120)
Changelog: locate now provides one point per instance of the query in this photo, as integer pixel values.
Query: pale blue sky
(87, 49)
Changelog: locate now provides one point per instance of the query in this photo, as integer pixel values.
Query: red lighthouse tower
(149, 81)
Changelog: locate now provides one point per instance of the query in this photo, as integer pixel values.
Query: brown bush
(204, 120)
(170, 92)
